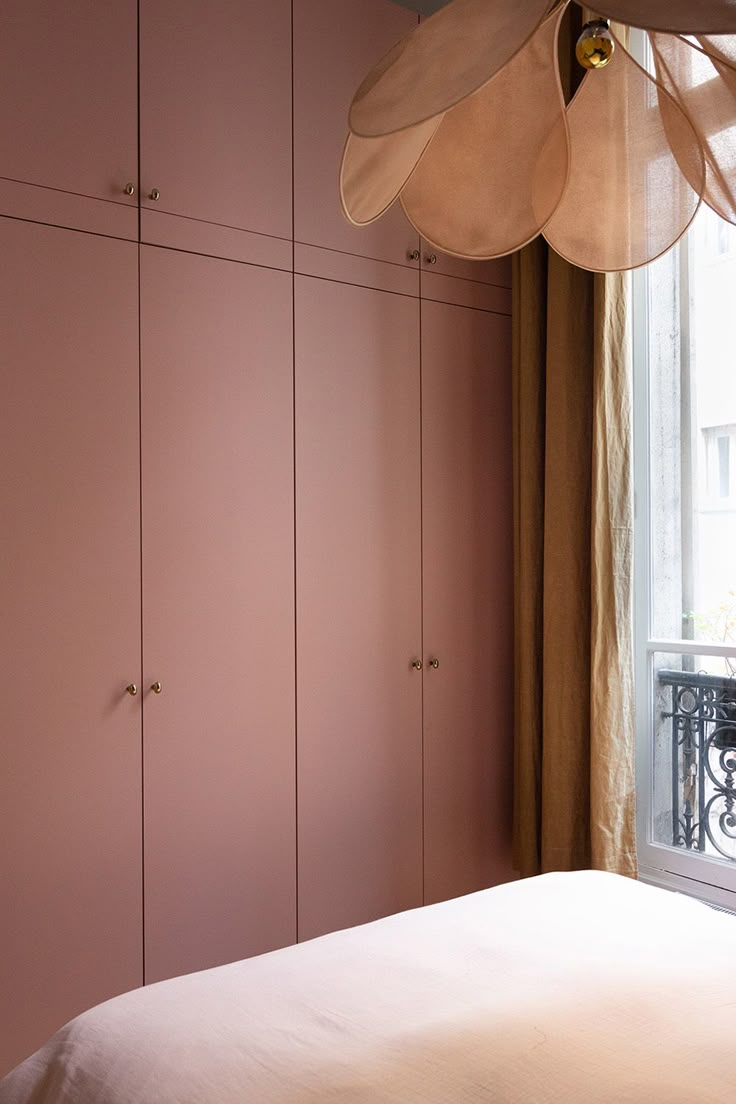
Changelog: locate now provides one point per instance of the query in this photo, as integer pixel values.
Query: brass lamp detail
(595, 46)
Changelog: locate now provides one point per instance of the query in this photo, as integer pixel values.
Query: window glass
(691, 296)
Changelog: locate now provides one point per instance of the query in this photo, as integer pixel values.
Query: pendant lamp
(465, 121)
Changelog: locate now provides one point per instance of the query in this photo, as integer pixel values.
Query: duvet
(576, 988)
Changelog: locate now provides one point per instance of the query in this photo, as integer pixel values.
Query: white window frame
(690, 872)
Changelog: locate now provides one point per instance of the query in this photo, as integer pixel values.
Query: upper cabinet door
(468, 599)
(216, 111)
(68, 100)
(218, 596)
(336, 42)
(70, 780)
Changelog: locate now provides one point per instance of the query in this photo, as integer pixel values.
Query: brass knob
(417, 664)
(154, 194)
(434, 663)
(431, 258)
(156, 687)
(414, 255)
(132, 689)
(129, 188)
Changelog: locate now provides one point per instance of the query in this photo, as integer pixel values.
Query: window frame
(699, 875)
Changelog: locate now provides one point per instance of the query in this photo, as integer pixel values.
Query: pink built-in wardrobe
(255, 495)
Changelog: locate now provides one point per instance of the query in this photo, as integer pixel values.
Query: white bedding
(574, 988)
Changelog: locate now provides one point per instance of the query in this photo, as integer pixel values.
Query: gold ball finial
(595, 46)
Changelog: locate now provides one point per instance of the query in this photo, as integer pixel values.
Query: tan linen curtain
(574, 728)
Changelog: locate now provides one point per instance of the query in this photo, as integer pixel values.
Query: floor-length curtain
(574, 728)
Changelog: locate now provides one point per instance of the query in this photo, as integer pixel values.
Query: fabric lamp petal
(374, 170)
(627, 199)
(705, 89)
(675, 16)
(446, 58)
(478, 191)
(722, 48)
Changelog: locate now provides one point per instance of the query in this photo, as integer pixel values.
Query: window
(724, 466)
(685, 469)
(719, 448)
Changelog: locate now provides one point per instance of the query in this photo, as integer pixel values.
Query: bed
(577, 988)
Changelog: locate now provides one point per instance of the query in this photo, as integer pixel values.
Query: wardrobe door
(70, 780)
(358, 604)
(336, 42)
(218, 605)
(216, 111)
(468, 598)
(69, 96)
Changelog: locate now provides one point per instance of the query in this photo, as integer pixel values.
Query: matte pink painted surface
(218, 600)
(466, 293)
(195, 236)
(336, 42)
(68, 96)
(485, 272)
(74, 212)
(329, 264)
(70, 779)
(468, 599)
(216, 111)
(358, 605)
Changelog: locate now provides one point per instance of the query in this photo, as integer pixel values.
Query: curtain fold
(574, 737)
(613, 783)
(574, 797)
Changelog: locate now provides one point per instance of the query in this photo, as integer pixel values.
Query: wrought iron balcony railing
(701, 710)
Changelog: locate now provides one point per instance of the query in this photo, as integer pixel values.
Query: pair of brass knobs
(133, 689)
(431, 258)
(417, 664)
(130, 190)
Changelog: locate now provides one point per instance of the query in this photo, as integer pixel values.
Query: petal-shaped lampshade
(627, 200)
(445, 59)
(722, 48)
(706, 91)
(677, 16)
(374, 170)
(477, 191)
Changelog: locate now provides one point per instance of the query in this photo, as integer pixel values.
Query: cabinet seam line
(140, 496)
(421, 572)
(293, 454)
(140, 531)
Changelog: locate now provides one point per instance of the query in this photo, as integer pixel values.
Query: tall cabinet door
(358, 605)
(218, 605)
(468, 598)
(216, 111)
(70, 773)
